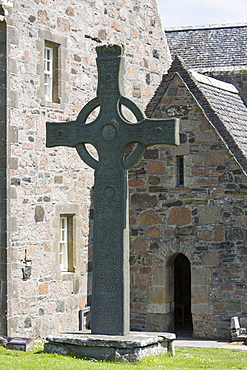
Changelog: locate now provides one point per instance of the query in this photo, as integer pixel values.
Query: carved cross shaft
(111, 133)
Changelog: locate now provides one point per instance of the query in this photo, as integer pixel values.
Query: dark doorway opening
(182, 294)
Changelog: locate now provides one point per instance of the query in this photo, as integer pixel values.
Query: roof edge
(206, 80)
(207, 26)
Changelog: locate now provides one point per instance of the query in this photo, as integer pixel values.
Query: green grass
(186, 358)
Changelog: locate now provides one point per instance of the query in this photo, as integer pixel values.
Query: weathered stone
(157, 189)
(211, 258)
(102, 34)
(136, 92)
(179, 216)
(185, 230)
(226, 177)
(39, 214)
(235, 233)
(233, 306)
(156, 167)
(209, 214)
(26, 272)
(153, 232)
(172, 91)
(154, 180)
(28, 322)
(176, 203)
(63, 24)
(60, 306)
(77, 58)
(150, 218)
(131, 348)
(136, 182)
(3, 341)
(154, 246)
(58, 179)
(43, 288)
(32, 18)
(199, 294)
(70, 11)
(43, 17)
(151, 154)
(140, 245)
(15, 181)
(143, 200)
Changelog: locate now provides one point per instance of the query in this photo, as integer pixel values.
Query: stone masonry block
(158, 273)
(159, 308)
(150, 218)
(211, 258)
(209, 214)
(156, 295)
(179, 216)
(143, 201)
(199, 294)
(200, 275)
(140, 245)
(201, 308)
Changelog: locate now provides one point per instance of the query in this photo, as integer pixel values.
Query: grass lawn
(186, 358)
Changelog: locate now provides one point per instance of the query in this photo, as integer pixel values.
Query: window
(66, 243)
(48, 69)
(180, 171)
(51, 68)
(51, 72)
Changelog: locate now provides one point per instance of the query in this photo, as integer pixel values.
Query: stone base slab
(128, 348)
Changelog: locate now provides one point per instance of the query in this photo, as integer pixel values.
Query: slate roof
(205, 47)
(220, 102)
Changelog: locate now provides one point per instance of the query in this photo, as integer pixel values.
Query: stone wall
(42, 182)
(205, 220)
(3, 205)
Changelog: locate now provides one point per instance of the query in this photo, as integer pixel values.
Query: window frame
(59, 74)
(180, 171)
(48, 72)
(78, 243)
(66, 248)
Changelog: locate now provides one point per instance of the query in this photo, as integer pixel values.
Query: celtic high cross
(111, 133)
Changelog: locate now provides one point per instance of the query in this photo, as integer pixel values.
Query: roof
(220, 102)
(206, 46)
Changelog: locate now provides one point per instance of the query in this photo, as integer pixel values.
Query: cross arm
(154, 131)
(67, 133)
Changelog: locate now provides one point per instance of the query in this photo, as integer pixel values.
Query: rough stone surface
(3, 341)
(129, 348)
(204, 220)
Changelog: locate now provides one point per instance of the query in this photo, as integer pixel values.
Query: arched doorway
(182, 293)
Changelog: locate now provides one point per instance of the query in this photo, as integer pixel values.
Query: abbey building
(187, 204)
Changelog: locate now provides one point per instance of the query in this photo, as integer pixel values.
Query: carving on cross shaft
(111, 133)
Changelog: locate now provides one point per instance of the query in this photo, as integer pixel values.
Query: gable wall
(205, 220)
(44, 183)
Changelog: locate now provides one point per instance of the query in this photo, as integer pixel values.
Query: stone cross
(111, 133)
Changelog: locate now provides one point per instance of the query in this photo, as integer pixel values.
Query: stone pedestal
(20, 344)
(129, 348)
